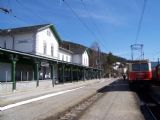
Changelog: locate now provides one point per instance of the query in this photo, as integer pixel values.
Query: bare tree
(94, 55)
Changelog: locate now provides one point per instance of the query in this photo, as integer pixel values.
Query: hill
(97, 58)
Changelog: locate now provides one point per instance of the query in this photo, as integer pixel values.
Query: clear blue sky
(112, 23)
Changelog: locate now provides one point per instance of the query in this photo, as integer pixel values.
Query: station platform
(17, 96)
(61, 98)
(118, 103)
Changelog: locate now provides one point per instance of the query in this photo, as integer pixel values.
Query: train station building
(32, 55)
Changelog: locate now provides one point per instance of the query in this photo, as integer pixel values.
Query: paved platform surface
(118, 103)
(39, 110)
(18, 96)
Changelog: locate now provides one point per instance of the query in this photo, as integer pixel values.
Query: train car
(156, 74)
(139, 71)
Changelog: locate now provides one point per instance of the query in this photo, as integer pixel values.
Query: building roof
(79, 50)
(31, 28)
(66, 50)
(74, 47)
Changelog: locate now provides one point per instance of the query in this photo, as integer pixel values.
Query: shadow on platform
(119, 85)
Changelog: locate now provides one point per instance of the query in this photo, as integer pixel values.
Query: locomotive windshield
(140, 67)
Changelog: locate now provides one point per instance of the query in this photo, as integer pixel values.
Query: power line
(140, 21)
(83, 23)
(92, 20)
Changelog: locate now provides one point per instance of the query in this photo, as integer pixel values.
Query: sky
(112, 24)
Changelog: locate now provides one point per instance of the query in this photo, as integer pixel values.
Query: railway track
(78, 110)
(152, 112)
(149, 106)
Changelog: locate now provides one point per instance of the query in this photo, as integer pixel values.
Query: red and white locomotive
(139, 70)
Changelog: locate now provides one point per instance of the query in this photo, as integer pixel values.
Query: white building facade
(46, 44)
(37, 40)
(81, 58)
(33, 53)
(65, 55)
(41, 40)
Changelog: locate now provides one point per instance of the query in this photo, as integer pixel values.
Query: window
(52, 50)
(5, 45)
(135, 67)
(63, 57)
(23, 41)
(144, 67)
(140, 67)
(48, 33)
(44, 48)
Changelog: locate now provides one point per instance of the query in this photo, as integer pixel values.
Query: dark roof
(79, 50)
(66, 50)
(74, 47)
(30, 28)
(22, 29)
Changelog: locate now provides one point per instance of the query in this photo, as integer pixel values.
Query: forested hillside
(97, 58)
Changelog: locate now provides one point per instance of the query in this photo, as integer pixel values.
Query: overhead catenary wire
(86, 26)
(93, 22)
(83, 23)
(27, 8)
(141, 20)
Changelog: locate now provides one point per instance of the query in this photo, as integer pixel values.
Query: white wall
(5, 71)
(22, 42)
(81, 59)
(77, 58)
(64, 56)
(6, 39)
(41, 38)
(85, 59)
